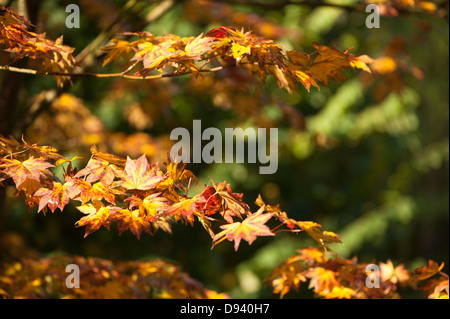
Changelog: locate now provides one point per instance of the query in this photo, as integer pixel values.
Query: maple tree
(135, 195)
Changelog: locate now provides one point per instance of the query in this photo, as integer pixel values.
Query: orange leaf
(323, 280)
(13, 28)
(57, 197)
(139, 175)
(97, 214)
(99, 192)
(186, 208)
(340, 292)
(392, 274)
(20, 171)
(133, 220)
(118, 49)
(98, 169)
(113, 159)
(429, 270)
(286, 276)
(248, 230)
(319, 236)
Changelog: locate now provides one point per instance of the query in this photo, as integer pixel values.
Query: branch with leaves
(171, 55)
(141, 197)
(333, 277)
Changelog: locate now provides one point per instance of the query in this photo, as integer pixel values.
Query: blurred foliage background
(367, 158)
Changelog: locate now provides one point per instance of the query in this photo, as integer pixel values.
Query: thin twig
(110, 75)
(284, 3)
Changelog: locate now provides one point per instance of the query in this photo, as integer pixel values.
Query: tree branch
(284, 3)
(441, 12)
(111, 75)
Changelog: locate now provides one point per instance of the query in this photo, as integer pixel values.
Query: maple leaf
(56, 197)
(100, 191)
(252, 227)
(57, 58)
(186, 208)
(157, 53)
(438, 288)
(224, 32)
(13, 28)
(232, 204)
(287, 276)
(154, 204)
(97, 215)
(99, 169)
(428, 271)
(118, 49)
(330, 63)
(392, 274)
(139, 175)
(8, 145)
(134, 220)
(322, 280)
(319, 236)
(110, 158)
(340, 292)
(20, 171)
(210, 202)
(177, 177)
(83, 188)
(197, 47)
(311, 255)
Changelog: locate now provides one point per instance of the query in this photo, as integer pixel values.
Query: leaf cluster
(45, 277)
(333, 277)
(139, 196)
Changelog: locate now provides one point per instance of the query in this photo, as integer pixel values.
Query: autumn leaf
(8, 145)
(232, 204)
(224, 32)
(322, 280)
(252, 227)
(437, 288)
(330, 63)
(311, 255)
(56, 57)
(99, 192)
(13, 28)
(56, 197)
(287, 276)
(98, 169)
(118, 49)
(319, 236)
(139, 175)
(392, 274)
(186, 208)
(83, 188)
(110, 158)
(20, 171)
(210, 202)
(134, 220)
(177, 177)
(197, 47)
(428, 271)
(154, 204)
(96, 216)
(340, 292)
